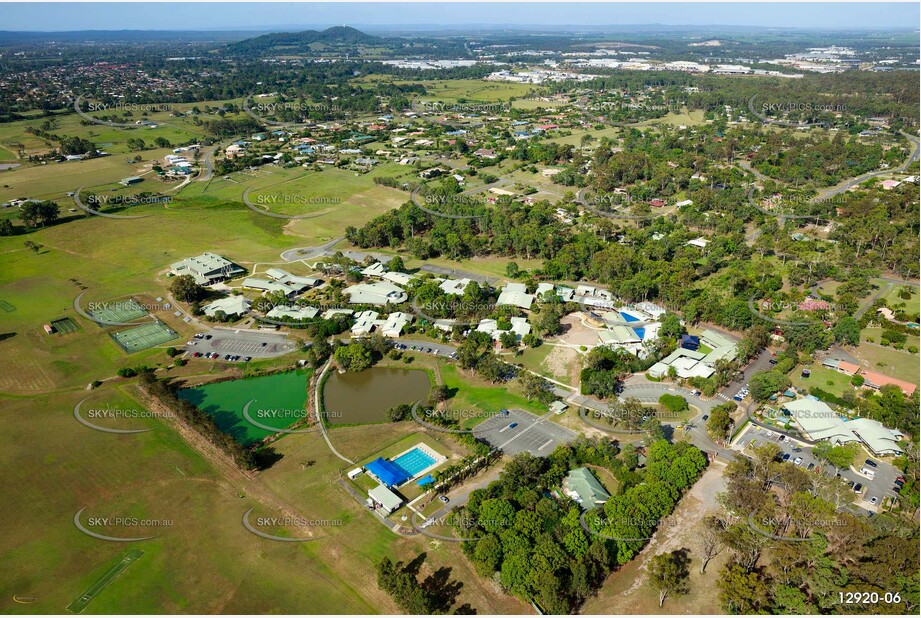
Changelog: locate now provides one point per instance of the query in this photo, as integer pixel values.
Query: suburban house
(207, 268)
(582, 486)
(841, 366)
(454, 286)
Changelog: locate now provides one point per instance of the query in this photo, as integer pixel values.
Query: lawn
(474, 393)
(828, 380)
(891, 362)
(152, 475)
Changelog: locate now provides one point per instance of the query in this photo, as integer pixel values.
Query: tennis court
(107, 578)
(143, 337)
(65, 326)
(6, 307)
(119, 311)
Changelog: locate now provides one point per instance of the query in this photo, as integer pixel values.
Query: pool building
(412, 464)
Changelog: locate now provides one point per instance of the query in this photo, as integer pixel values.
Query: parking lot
(878, 487)
(533, 433)
(439, 348)
(243, 342)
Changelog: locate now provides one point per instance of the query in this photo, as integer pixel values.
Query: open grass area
(152, 475)
(474, 393)
(889, 361)
(828, 380)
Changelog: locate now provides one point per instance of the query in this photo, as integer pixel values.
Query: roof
(295, 313)
(583, 483)
(205, 266)
(874, 434)
(387, 473)
(619, 334)
(381, 494)
(231, 305)
(379, 293)
(517, 299)
(878, 380)
(454, 286)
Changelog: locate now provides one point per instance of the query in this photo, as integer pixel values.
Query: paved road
(307, 253)
(843, 186)
(877, 487)
(532, 433)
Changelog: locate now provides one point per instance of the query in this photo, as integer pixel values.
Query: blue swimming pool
(640, 332)
(628, 318)
(413, 462)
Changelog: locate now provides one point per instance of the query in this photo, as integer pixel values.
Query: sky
(41, 16)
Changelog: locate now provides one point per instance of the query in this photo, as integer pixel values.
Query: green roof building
(582, 486)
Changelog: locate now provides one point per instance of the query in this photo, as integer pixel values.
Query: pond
(279, 402)
(365, 396)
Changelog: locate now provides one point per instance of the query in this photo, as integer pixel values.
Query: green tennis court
(65, 326)
(119, 311)
(107, 578)
(143, 337)
(6, 307)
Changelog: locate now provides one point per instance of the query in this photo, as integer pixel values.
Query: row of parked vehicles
(227, 357)
(420, 348)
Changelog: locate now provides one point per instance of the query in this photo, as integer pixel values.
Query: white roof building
(294, 281)
(379, 293)
(207, 268)
(254, 283)
(292, 312)
(395, 323)
(384, 499)
(365, 323)
(454, 286)
(231, 305)
(515, 294)
(820, 422)
(520, 328)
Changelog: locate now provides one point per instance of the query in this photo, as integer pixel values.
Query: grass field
(828, 380)
(473, 393)
(107, 578)
(157, 476)
(889, 361)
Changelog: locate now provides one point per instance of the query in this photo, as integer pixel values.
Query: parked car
(444, 499)
(870, 463)
(873, 500)
(858, 488)
(811, 466)
(512, 425)
(207, 336)
(797, 461)
(248, 358)
(705, 417)
(786, 456)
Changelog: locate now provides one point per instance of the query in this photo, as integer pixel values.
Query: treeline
(165, 393)
(795, 546)
(535, 544)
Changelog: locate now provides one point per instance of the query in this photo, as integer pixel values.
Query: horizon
(200, 17)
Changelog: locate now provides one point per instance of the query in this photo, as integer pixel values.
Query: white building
(231, 305)
(379, 293)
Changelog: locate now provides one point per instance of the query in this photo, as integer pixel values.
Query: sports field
(143, 337)
(65, 326)
(124, 311)
(108, 577)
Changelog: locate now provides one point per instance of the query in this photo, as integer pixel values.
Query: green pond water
(365, 396)
(279, 402)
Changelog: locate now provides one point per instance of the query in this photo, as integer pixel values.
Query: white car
(873, 500)
(798, 461)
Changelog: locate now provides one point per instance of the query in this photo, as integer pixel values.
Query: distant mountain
(341, 37)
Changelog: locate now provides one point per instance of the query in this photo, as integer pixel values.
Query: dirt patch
(576, 333)
(627, 590)
(562, 363)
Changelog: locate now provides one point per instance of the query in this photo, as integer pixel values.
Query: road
(308, 253)
(844, 185)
